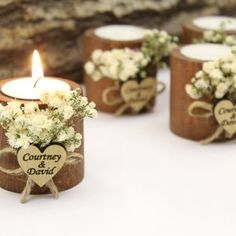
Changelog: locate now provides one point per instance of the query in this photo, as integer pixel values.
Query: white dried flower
(191, 91)
(117, 64)
(221, 90)
(125, 64)
(89, 68)
(217, 79)
(208, 67)
(218, 36)
(97, 55)
(29, 125)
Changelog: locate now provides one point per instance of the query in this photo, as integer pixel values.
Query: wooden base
(183, 70)
(192, 32)
(68, 177)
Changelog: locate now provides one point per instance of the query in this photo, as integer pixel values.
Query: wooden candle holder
(183, 69)
(68, 177)
(192, 32)
(95, 90)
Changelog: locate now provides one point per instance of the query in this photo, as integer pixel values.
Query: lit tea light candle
(30, 88)
(205, 52)
(214, 22)
(120, 32)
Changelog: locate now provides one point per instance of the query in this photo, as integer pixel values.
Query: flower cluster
(28, 124)
(218, 36)
(217, 79)
(116, 64)
(157, 45)
(125, 64)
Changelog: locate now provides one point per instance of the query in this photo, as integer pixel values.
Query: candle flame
(37, 69)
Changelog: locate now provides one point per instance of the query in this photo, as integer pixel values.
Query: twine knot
(209, 108)
(120, 101)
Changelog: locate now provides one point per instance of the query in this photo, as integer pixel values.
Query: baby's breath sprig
(216, 80)
(157, 46)
(28, 124)
(218, 36)
(125, 64)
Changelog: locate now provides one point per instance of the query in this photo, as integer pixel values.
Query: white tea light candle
(214, 22)
(120, 32)
(205, 52)
(30, 88)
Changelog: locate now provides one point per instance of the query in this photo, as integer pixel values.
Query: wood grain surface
(183, 70)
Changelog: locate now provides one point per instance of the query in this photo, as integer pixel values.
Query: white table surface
(140, 179)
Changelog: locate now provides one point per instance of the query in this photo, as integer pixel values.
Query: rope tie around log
(120, 101)
(209, 112)
(72, 159)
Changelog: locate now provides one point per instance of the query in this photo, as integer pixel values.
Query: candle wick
(36, 82)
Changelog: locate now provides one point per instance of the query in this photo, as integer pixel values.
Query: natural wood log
(94, 90)
(183, 69)
(68, 177)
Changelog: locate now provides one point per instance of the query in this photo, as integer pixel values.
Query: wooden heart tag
(138, 95)
(41, 166)
(225, 114)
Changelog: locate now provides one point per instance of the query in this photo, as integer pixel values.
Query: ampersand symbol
(41, 165)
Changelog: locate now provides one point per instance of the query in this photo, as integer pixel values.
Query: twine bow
(72, 159)
(209, 112)
(119, 101)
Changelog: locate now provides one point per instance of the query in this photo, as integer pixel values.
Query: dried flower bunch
(116, 64)
(157, 46)
(125, 64)
(217, 79)
(218, 36)
(28, 124)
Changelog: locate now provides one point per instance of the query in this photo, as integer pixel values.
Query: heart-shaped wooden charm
(137, 95)
(41, 166)
(225, 114)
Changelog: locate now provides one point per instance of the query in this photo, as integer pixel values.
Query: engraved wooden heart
(137, 95)
(225, 114)
(41, 166)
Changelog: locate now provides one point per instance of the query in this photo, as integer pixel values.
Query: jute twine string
(124, 106)
(209, 112)
(72, 159)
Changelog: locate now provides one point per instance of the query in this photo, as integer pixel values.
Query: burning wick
(36, 82)
(37, 69)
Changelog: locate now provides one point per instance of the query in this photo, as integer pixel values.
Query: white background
(140, 179)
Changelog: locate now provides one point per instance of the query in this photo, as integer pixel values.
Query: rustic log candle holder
(68, 177)
(185, 62)
(107, 38)
(195, 28)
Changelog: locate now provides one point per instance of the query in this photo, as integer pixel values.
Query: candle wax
(23, 88)
(214, 22)
(120, 32)
(205, 52)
